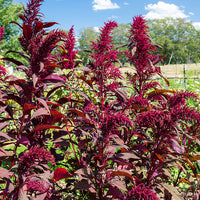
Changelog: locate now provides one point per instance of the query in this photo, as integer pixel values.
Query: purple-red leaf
(12, 60)
(35, 79)
(115, 192)
(49, 24)
(38, 27)
(4, 153)
(177, 148)
(23, 140)
(4, 173)
(80, 114)
(44, 103)
(20, 53)
(27, 107)
(27, 31)
(45, 127)
(173, 191)
(13, 22)
(40, 112)
(3, 125)
(122, 173)
(21, 16)
(55, 78)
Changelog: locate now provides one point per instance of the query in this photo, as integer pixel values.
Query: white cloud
(126, 4)
(113, 17)
(196, 25)
(191, 13)
(104, 5)
(162, 10)
(96, 29)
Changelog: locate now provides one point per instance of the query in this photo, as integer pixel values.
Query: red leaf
(21, 16)
(43, 102)
(61, 173)
(54, 77)
(53, 103)
(49, 24)
(115, 192)
(4, 173)
(3, 152)
(40, 112)
(80, 114)
(35, 79)
(27, 107)
(45, 127)
(56, 116)
(89, 82)
(39, 26)
(13, 22)
(27, 31)
(3, 125)
(23, 140)
(122, 173)
(4, 135)
(12, 60)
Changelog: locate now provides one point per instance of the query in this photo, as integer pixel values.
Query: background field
(176, 71)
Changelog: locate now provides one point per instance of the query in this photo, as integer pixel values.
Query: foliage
(85, 36)
(100, 140)
(178, 38)
(8, 14)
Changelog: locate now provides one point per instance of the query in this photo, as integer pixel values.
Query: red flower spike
(61, 173)
(1, 33)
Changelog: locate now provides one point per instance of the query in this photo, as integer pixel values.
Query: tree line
(178, 39)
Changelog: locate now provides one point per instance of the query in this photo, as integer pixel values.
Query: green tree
(178, 38)
(8, 10)
(84, 41)
(120, 39)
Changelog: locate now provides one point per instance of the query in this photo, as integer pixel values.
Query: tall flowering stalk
(2, 69)
(1, 33)
(37, 114)
(104, 57)
(160, 117)
(108, 144)
(68, 55)
(140, 54)
(102, 119)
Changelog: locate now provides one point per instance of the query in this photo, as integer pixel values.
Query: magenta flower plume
(35, 154)
(141, 46)
(140, 53)
(2, 69)
(141, 192)
(33, 186)
(178, 99)
(32, 11)
(44, 49)
(68, 54)
(104, 55)
(1, 33)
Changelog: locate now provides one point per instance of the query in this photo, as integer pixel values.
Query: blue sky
(93, 13)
